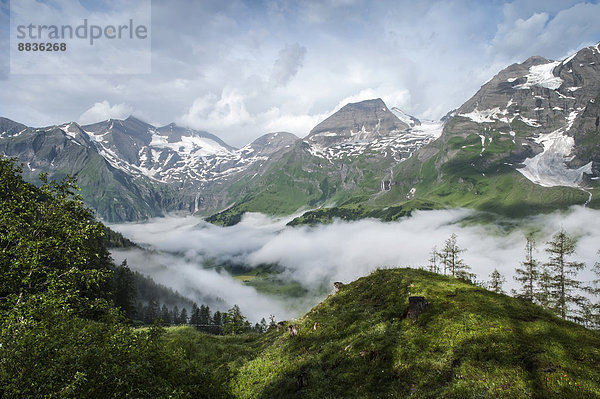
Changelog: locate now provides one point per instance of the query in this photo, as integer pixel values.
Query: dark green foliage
(51, 247)
(147, 289)
(563, 285)
(352, 212)
(60, 355)
(183, 317)
(123, 289)
(228, 217)
(235, 322)
(593, 309)
(59, 334)
(529, 274)
(496, 282)
(165, 316)
(114, 239)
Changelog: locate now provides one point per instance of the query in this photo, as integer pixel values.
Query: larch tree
(235, 322)
(434, 260)
(592, 317)
(543, 292)
(564, 288)
(496, 282)
(528, 273)
(450, 258)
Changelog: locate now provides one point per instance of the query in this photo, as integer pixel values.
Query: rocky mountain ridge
(550, 98)
(534, 126)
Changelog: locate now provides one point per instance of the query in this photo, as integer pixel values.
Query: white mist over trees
(342, 251)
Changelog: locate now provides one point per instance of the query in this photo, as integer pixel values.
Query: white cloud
(298, 124)
(390, 96)
(103, 111)
(342, 251)
(287, 65)
(210, 113)
(510, 37)
(555, 31)
(426, 57)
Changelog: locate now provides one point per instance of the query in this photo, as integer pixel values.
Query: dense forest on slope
(63, 329)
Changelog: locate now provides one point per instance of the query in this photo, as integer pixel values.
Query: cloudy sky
(240, 69)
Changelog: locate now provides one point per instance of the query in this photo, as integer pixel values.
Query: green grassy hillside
(302, 180)
(469, 343)
(459, 170)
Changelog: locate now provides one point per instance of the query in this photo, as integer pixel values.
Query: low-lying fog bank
(342, 251)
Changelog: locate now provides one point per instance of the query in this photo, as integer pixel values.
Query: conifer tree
(529, 273)
(593, 309)
(496, 282)
(542, 294)
(434, 260)
(217, 321)
(152, 311)
(563, 285)
(204, 317)
(124, 291)
(195, 315)
(183, 316)
(272, 323)
(175, 314)
(235, 322)
(450, 258)
(165, 315)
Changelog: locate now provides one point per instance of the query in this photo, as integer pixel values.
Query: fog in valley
(182, 249)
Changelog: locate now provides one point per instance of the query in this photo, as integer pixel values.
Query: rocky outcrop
(416, 306)
(548, 110)
(357, 122)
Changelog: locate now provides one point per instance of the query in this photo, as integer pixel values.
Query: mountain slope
(528, 141)
(536, 119)
(468, 342)
(130, 170)
(347, 157)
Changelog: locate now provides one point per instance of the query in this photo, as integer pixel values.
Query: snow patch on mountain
(488, 115)
(529, 121)
(542, 76)
(398, 147)
(548, 168)
(192, 144)
(404, 117)
(187, 158)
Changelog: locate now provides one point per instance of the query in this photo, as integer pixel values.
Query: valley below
(269, 268)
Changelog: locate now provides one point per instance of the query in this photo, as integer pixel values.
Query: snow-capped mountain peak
(548, 99)
(371, 128)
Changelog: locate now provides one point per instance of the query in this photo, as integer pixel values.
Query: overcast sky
(240, 69)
